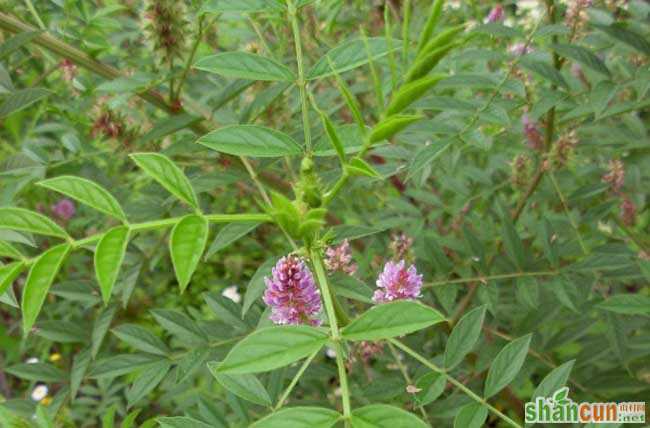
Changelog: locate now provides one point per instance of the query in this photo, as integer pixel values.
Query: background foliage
(508, 141)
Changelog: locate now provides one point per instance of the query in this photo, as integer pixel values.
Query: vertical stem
(186, 70)
(336, 335)
(406, 23)
(302, 84)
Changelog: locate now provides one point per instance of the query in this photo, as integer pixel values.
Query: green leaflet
(40, 278)
(246, 386)
(299, 417)
(8, 273)
(109, 256)
(244, 65)
(411, 92)
(390, 320)
(506, 365)
(86, 192)
(471, 415)
(141, 339)
(384, 416)
(186, 245)
(29, 221)
(7, 250)
(464, 336)
(350, 55)
(333, 136)
(170, 176)
(22, 99)
(391, 126)
(250, 140)
(271, 348)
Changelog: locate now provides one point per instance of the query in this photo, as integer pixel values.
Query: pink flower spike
(292, 294)
(339, 258)
(495, 15)
(397, 282)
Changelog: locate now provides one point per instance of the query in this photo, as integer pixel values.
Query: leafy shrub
(315, 213)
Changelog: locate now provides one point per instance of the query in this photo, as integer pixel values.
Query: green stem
(301, 83)
(336, 335)
(491, 277)
(407, 378)
(567, 212)
(454, 382)
(294, 381)
(167, 222)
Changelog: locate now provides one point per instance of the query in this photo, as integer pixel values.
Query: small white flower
(232, 293)
(330, 352)
(39, 392)
(32, 360)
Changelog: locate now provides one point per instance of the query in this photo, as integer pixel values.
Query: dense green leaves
(506, 365)
(29, 221)
(109, 256)
(217, 6)
(22, 99)
(384, 416)
(246, 386)
(40, 278)
(390, 320)
(186, 245)
(180, 325)
(583, 56)
(243, 65)
(464, 336)
(229, 234)
(165, 172)
(270, 348)
(87, 192)
(627, 304)
(250, 140)
(546, 71)
(141, 339)
(40, 372)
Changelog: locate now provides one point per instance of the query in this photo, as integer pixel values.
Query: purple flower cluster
(291, 293)
(397, 282)
(64, 209)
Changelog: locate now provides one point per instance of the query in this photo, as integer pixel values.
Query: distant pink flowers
(397, 282)
(339, 258)
(64, 209)
(533, 136)
(495, 15)
(292, 294)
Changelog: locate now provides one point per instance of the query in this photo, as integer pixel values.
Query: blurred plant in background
(445, 201)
